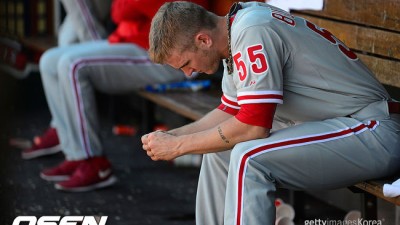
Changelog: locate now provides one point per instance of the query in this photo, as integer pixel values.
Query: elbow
(259, 132)
(264, 134)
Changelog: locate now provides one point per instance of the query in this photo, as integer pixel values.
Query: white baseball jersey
(304, 68)
(317, 83)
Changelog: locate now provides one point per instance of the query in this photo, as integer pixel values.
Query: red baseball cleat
(62, 172)
(46, 144)
(91, 174)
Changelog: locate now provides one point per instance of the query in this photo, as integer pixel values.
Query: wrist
(181, 148)
(171, 132)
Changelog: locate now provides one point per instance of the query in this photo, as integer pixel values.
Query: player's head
(175, 26)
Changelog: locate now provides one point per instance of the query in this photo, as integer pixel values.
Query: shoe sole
(42, 152)
(54, 178)
(110, 181)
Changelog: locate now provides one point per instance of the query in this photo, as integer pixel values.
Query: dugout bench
(369, 28)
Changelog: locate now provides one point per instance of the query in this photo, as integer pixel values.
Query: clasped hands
(160, 145)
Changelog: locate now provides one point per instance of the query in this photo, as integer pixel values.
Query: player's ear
(203, 40)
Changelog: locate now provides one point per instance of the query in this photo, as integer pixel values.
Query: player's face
(199, 60)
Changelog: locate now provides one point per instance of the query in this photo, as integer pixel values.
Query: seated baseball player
(84, 21)
(70, 75)
(299, 109)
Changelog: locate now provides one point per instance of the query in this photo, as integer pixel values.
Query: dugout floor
(147, 192)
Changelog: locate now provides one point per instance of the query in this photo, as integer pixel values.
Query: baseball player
(70, 76)
(299, 109)
(85, 20)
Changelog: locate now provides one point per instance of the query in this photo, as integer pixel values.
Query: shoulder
(252, 14)
(253, 17)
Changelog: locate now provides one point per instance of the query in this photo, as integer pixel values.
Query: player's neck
(221, 37)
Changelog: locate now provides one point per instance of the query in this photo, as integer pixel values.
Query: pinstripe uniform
(84, 21)
(332, 126)
(70, 74)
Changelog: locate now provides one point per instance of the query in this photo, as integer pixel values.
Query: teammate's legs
(316, 155)
(115, 68)
(50, 81)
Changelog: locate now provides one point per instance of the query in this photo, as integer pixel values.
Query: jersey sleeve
(260, 114)
(229, 102)
(256, 114)
(253, 113)
(259, 58)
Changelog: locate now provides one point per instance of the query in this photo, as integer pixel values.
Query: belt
(394, 107)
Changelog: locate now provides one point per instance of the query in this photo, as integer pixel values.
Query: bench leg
(369, 207)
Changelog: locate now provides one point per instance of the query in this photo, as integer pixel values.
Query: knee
(251, 151)
(65, 63)
(68, 67)
(238, 152)
(48, 59)
(257, 164)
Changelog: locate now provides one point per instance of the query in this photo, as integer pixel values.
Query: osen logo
(58, 220)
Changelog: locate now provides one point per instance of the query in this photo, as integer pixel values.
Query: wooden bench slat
(387, 71)
(376, 188)
(192, 105)
(383, 14)
(371, 40)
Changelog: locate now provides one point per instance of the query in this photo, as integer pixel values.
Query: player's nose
(188, 71)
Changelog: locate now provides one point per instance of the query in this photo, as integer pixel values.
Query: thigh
(51, 58)
(321, 155)
(117, 68)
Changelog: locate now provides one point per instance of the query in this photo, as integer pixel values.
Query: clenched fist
(160, 145)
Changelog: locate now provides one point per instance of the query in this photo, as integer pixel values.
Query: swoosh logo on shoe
(104, 173)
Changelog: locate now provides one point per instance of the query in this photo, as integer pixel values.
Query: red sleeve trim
(228, 109)
(257, 114)
(252, 97)
(230, 102)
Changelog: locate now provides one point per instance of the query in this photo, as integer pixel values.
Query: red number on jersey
(331, 38)
(257, 59)
(283, 18)
(240, 65)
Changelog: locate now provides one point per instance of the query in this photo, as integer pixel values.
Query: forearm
(205, 136)
(208, 121)
(220, 137)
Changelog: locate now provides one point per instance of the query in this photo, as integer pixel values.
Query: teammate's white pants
(70, 75)
(238, 187)
(84, 21)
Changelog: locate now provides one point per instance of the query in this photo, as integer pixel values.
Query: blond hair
(174, 27)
